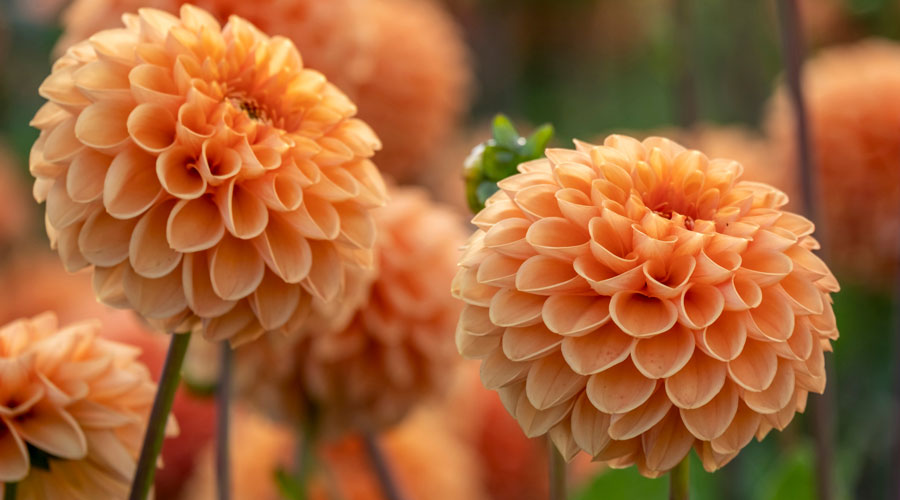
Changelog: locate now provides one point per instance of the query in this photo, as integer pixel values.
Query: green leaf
(505, 132)
(537, 142)
(289, 486)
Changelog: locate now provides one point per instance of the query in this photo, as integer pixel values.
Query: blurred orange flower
(854, 112)
(426, 460)
(636, 299)
(73, 408)
(397, 349)
(219, 181)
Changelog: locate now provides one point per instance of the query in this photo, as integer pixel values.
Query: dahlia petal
(286, 253)
(576, 206)
(514, 308)
(374, 192)
(104, 240)
(712, 460)
(535, 422)
(466, 287)
(781, 418)
(237, 326)
(515, 183)
(131, 185)
(620, 454)
(604, 280)
(779, 393)
(538, 201)
(151, 83)
(194, 225)
(510, 395)
(158, 298)
(61, 143)
(608, 248)
(797, 224)
(152, 127)
(810, 374)
(475, 346)
(589, 426)
(280, 190)
(807, 264)
(773, 319)
(598, 351)
(508, 237)
(93, 415)
(667, 443)
(740, 293)
(551, 382)
(101, 125)
(498, 270)
(191, 128)
(715, 268)
(700, 306)
(543, 275)
(711, 420)
(198, 290)
(274, 301)
(572, 175)
(476, 321)
(649, 247)
(724, 340)
(59, 88)
(336, 185)
(62, 211)
(84, 179)
(218, 163)
(663, 355)
(800, 344)
(14, 461)
(529, 342)
(235, 268)
(773, 239)
(498, 371)
(149, 251)
(115, 45)
(108, 287)
(244, 214)
(619, 389)
(803, 295)
(52, 430)
(641, 316)
(667, 280)
(67, 247)
(756, 366)
(575, 315)
(766, 268)
(316, 219)
(697, 383)
(108, 451)
(561, 437)
(321, 280)
(741, 430)
(177, 174)
(557, 237)
(624, 426)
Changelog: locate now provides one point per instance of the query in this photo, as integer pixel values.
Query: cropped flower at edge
(635, 299)
(205, 174)
(73, 408)
(398, 348)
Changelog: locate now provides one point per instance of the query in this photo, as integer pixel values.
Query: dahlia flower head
(398, 348)
(853, 110)
(73, 408)
(636, 299)
(205, 174)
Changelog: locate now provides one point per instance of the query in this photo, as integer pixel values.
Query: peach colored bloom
(428, 463)
(636, 299)
(205, 174)
(397, 349)
(853, 103)
(419, 84)
(73, 407)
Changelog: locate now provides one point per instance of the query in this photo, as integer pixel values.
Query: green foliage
(498, 158)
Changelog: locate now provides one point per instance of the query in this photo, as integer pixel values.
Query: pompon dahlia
(73, 408)
(397, 349)
(204, 173)
(853, 105)
(635, 299)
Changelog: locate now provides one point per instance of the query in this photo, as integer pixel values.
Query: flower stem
(156, 427)
(9, 491)
(379, 463)
(679, 479)
(556, 465)
(223, 423)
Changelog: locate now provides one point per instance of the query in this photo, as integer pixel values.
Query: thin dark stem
(306, 453)
(159, 416)
(556, 466)
(822, 408)
(9, 491)
(679, 480)
(894, 486)
(223, 423)
(382, 470)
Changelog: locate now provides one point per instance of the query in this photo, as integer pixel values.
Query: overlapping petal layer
(637, 299)
(397, 349)
(205, 174)
(73, 408)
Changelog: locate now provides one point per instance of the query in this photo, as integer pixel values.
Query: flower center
(250, 107)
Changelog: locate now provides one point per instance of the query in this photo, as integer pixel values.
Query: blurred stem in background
(380, 465)
(159, 416)
(9, 491)
(223, 423)
(822, 407)
(679, 480)
(556, 465)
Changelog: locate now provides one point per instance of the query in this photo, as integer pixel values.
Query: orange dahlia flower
(398, 347)
(73, 408)
(854, 111)
(635, 299)
(427, 462)
(204, 173)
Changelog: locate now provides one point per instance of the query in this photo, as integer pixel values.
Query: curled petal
(274, 301)
(576, 206)
(498, 371)
(316, 219)
(149, 251)
(103, 240)
(697, 383)
(538, 201)
(178, 175)
(807, 264)
(608, 248)
(773, 319)
(715, 268)
(357, 226)
(465, 286)
(619, 389)
(53, 430)
(61, 143)
(632, 424)
(508, 237)
(529, 342)
(102, 125)
(151, 83)
(755, 368)
(590, 427)
(604, 280)
(557, 237)
(158, 298)
(237, 326)
(803, 295)
(244, 214)
(235, 268)
(739, 432)
(198, 290)
(725, 338)
(667, 281)
(740, 293)
(575, 315)
(476, 321)
(766, 268)
(326, 274)
(151, 127)
(475, 346)
(667, 443)
(641, 316)
(498, 211)
(194, 225)
(551, 382)
(131, 185)
(545, 275)
(108, 287)
(285, 252)
(535, 422)
(777, 395)
(663, 355)
(499, 270)
(86, 174)
(700, 306)
(796, 224)
(13, 456)
(597, 351)
(514, 308)
(711, 420)
(62, 211)
(650, 247)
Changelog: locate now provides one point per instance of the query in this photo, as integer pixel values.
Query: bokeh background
(703, 71)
